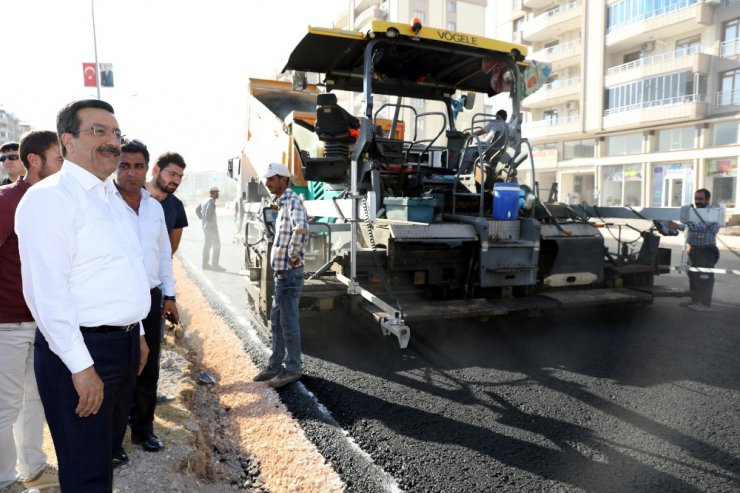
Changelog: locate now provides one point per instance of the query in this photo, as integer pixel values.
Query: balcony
(678, 109)
(554, 93)
(671, 21)
(553, 23)
(662, 63)
(560, 55)
(726, 101)
(552, 126)
(730, 48)
(536, 4)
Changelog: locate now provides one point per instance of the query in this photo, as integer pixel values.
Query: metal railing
(556, 120)
(556, 50)
(560, 84)
(653, 60)
(667, 9)
(727, 98)
(688, 98)
(545, 19)
(730, 47)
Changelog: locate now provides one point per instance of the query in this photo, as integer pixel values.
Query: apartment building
(467, 16)
(642, 105)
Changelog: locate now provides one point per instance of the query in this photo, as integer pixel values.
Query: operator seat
(337, 129)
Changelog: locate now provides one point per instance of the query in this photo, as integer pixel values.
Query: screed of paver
(261, 424)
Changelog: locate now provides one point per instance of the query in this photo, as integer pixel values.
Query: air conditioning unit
(571, 105)
(647, 47)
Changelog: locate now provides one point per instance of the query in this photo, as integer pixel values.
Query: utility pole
(95, 45)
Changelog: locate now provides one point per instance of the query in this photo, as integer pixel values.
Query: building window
(421, 15)
(451, 6)
(722, 178)
(673, 139)
(452, 26)
(661, 90)
(729, 88)
(724, 133)
(574, 149)
(626, 12)
(619, 145)
(621, 185)
(550, 117)
(518, 23)
(673, 184)
(730, 44)
(688, 46)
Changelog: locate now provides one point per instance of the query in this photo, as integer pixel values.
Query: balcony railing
(560, 84)
(688, 98)
(653, 60)
(666, 9)
(730, 47)
(553, 16)
(553, 51)
(728, 98)
(553, 121)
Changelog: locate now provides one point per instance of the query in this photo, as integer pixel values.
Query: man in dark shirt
(167, 174)
(21, 412)
(11, 162)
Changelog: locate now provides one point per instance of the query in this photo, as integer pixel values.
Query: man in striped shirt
(291, 238)
(702, 239)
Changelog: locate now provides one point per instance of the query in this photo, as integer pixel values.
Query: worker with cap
(286, 258)
(206, 211)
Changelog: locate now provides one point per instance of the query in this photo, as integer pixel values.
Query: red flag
(91, 76)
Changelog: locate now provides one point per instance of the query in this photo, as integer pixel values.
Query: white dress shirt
(80, 261)
(151, 229)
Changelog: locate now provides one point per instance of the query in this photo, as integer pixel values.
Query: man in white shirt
(85, 284)
(147, 218)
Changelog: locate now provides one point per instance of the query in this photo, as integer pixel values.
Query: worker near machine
(291, 237)
(206, 211)
(702, 239)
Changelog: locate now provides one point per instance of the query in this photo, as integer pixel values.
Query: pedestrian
(167, 173)
(22, 455)
(291, 237)
(11, 162)
(85, 284)
(206, 211)
(147, 219)
(701, 236)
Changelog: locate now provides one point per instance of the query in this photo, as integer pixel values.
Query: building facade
(642, 105)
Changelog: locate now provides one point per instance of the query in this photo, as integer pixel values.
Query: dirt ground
(231, 435)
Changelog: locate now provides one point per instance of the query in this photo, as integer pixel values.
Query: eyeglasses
(9, 157)
(99, 130)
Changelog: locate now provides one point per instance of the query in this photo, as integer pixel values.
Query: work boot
(283, 378)
(698, 307)
(266, 374)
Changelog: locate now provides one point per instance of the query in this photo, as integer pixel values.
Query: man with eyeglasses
(85, 284)
(11, 162)
(22, 455)
(167, 174)
(147, 218)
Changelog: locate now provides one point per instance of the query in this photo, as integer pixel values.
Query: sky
(180, 66)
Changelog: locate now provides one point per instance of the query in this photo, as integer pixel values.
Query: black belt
(110, 328)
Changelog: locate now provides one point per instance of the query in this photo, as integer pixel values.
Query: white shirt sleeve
(46, 240)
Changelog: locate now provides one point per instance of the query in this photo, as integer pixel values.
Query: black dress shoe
(120, 458)
(150, 443)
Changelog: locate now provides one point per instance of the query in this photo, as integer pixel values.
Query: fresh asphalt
(624, 399)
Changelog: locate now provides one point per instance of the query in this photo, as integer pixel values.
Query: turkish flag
(90, 74)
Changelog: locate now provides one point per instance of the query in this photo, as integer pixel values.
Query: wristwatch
(168, 298)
